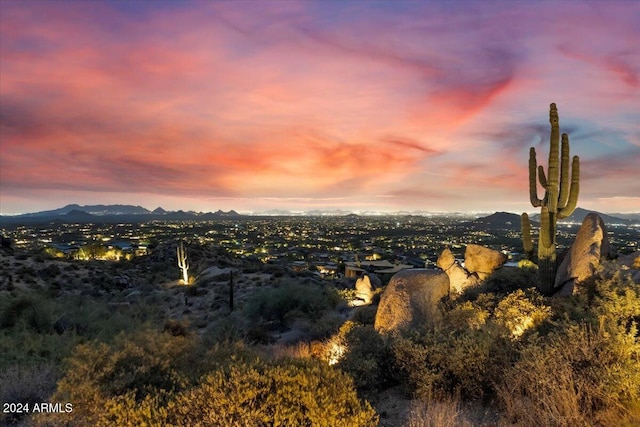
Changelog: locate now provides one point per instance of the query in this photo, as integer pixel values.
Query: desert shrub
(586, 371)
(287, 393)
(176, 328)
(366, 356)
(444, 413)
(365, 314)
(195, 291)
(49, 272)
(279, 307)
(232, 328)
(467, 314)
(30, 310)
(156, 379)
(441, 362)
(321, 328)
(520, 311)
(26, 272)
(503, 281)
(101, 379)
(26, 384)
(578, 376)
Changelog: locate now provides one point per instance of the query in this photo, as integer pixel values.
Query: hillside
(110, 214)
(579, 214)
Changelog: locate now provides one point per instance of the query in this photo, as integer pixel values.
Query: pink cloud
(211, 100)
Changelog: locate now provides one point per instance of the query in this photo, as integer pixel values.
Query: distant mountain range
(578, 216)
(495, 221)
(111, 214)
(510, 221)
(129, 213)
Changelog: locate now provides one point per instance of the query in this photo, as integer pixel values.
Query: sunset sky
(362, 106)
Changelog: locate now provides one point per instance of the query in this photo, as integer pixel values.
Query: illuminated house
(355, 269)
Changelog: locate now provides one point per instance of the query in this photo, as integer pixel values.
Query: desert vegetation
(294, 352)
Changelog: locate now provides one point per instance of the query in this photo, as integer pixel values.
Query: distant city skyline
(358, 106)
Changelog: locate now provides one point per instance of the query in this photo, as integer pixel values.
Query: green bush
(157, 379)
(99, 378)
(26, 384)
(520, 311)
(32, 311)
(578, 376)
(366, 356)
(586, 371)
(440, 363)
(365, 314)
(294, 393)
(50, 271)
(503, 281)
(279, 307)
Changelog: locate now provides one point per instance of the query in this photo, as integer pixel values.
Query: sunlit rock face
(411, 298)
(459, 278)
(446, 259)
(482, 261)
(365, 287)
(588, 249)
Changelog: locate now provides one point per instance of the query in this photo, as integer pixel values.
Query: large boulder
(214, 274)
(410, 299)
(365, 287)
(482, 261)
(459, 278)
(446, 259)
(588, 249)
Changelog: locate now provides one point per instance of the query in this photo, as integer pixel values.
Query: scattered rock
(588, 249)
(411, 298)
(482, 261)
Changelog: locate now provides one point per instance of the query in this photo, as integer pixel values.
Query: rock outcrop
(214, 274)
(459, 278)
(446, 259)
(411, 298)
(588, 249)
(482, 261)
(365, 287)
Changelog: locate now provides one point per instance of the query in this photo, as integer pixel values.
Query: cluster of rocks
(412, 296)
(479, 263)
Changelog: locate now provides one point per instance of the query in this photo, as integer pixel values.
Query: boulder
(588, 249)
(482, 261)
(446, 259)
(214, 274)
(411, 298)
(365, 286)
(459, 278)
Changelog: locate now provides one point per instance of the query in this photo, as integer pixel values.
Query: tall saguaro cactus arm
(533, 187)
(182, 263)
(527, 243)
(559, 201)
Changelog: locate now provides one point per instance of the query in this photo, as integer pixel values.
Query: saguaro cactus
(182, 263)
(230, 290)
(559, 201)
(527, 243)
